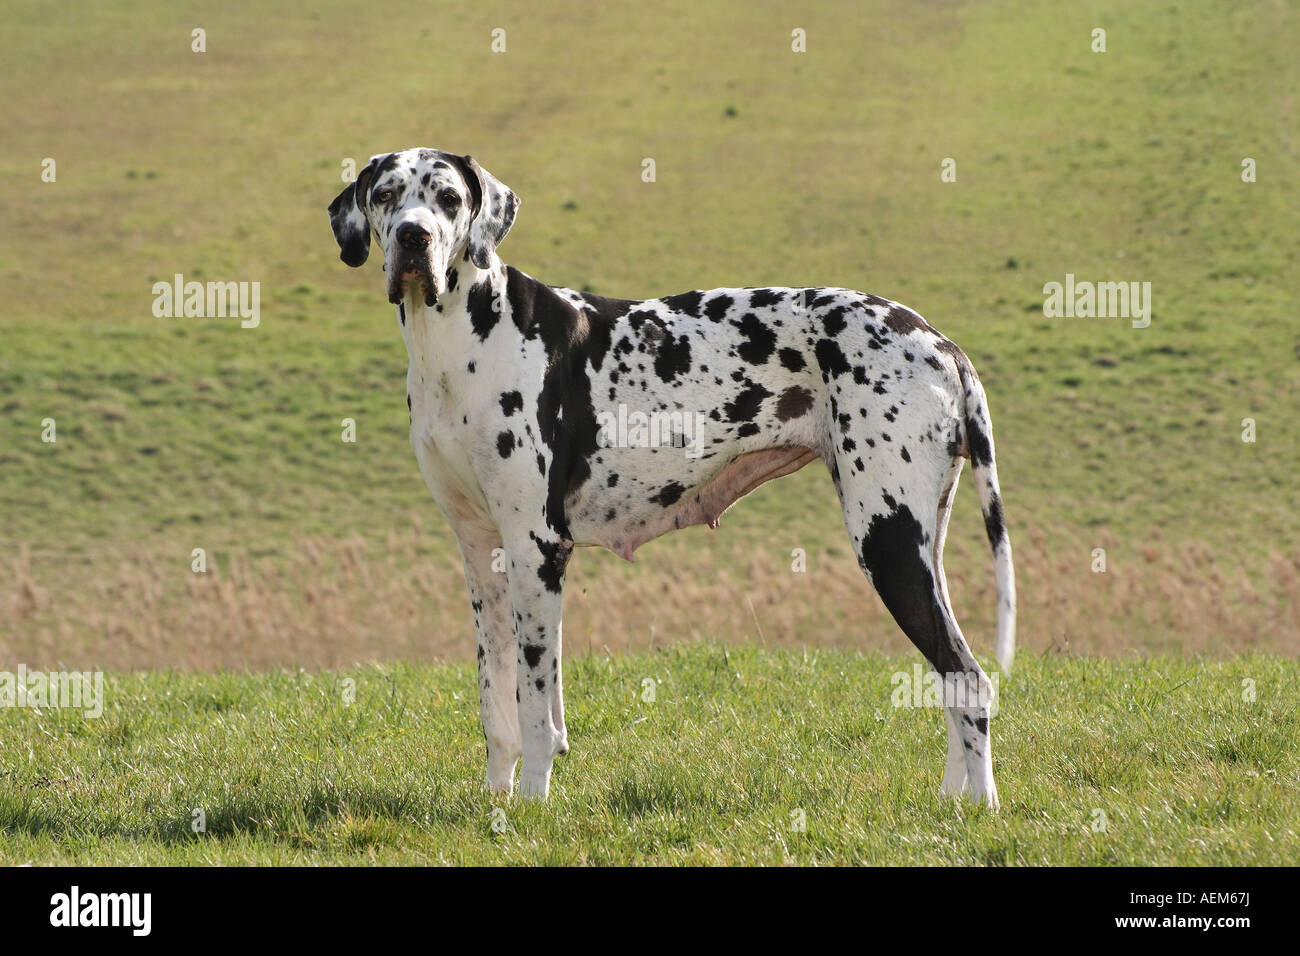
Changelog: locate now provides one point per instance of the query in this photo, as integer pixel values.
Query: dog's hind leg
(894, 530)
(494, 631)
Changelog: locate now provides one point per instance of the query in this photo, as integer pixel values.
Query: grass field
(1157, 762)
(329, 559)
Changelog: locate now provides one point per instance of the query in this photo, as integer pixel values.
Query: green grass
(715, 770)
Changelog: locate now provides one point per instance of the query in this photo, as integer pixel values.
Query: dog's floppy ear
(348, 219)
(493, 205)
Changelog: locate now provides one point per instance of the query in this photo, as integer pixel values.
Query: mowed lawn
(692, 754)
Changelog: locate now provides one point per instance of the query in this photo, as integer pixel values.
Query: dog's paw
(534, 785)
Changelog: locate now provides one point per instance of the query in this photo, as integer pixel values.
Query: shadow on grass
(286, 818)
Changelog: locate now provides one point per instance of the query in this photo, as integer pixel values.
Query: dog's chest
(443, 413)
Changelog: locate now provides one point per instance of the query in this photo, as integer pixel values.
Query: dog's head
(426, 208)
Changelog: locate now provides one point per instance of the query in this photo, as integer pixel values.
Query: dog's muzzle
(413, 262)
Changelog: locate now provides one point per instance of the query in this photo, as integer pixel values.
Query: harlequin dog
(511, 386)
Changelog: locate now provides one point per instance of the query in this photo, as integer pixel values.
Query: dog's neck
(437, 336)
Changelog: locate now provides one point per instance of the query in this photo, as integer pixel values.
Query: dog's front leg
(494, 630)
(536, 581)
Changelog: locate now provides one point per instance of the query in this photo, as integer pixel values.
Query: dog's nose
(411, 236)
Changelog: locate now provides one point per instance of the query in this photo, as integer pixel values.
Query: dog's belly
(625, 523)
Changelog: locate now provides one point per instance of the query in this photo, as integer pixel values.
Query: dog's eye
(384, 195)
(449, 200)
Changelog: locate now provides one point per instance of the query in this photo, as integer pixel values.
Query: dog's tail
(979, 441)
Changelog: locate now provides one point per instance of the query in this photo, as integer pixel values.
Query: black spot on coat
(744, 407)
(673, 358)
(793, 360)
(483, 315)
(717, 307)
(566, 420)
(794, 401)
(760, 341)
(902, 320)
(831, 359)
(668, 494)
(891, 554)
(688, 302)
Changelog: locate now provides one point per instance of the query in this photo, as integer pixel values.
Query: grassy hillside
(772, 166)
(1158, 762)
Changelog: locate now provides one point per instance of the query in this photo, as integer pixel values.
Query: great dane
(512, 388)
